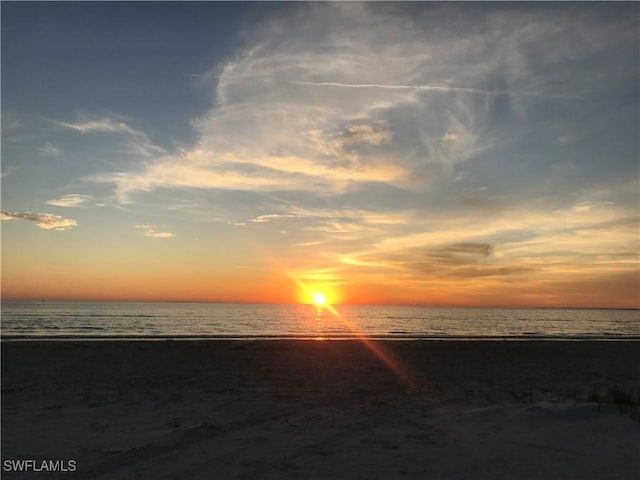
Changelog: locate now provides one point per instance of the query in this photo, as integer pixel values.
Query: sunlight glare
(319, 298)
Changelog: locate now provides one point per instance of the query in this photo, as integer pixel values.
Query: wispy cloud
(152, 232)
(344, 98)
(46, 221)
(70, 200)
(10, 122)
(137, 142)
(435, 88)
(48, 148)
(104, 124)
(271, 217)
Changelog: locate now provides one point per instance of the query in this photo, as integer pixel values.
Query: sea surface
(262, 321)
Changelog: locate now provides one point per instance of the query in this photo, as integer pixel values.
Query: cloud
(458, 260)
(270, 217)
(9, 122)
(46, 221)
(70, 200)
(470, 248)
(150, 231)
(5, 173)
(137, 142)
(538, 246)
(332, 98)
(49, 148)
(106, 124)
(271, 131)
(436, 88)
(583, 207)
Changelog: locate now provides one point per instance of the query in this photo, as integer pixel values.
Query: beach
(348, 409)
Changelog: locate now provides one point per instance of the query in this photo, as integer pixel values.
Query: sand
(323, 410)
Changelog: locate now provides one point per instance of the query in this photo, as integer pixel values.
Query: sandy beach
(323, 409)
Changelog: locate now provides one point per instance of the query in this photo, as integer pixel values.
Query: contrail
(432, 88)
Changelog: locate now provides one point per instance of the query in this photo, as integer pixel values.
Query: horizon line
(346, 304)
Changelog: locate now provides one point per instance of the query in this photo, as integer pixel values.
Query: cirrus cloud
(355, 94)
(70, 200)
(135, 141)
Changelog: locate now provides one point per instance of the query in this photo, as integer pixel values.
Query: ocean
(265, 321)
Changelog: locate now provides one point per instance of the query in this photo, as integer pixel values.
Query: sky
(450, 154)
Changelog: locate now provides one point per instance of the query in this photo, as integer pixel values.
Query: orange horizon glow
(265, 275)
(160, 282)
(275, 296)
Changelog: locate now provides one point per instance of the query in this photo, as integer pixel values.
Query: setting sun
(320, 294)
(319, 298)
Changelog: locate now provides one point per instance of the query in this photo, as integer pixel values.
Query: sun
(319, 298)
(322, 295)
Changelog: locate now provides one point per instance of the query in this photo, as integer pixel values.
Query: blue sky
(405, 153)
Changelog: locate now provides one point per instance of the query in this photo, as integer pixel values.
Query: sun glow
(320, 294)
(319, 298)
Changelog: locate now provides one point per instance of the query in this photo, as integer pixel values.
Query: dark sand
(322, 410)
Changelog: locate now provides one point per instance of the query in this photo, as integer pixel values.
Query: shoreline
(333, 409)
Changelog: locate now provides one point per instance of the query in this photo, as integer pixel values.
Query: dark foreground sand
(322, 410)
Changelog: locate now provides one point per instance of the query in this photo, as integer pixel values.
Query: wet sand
(323, 410)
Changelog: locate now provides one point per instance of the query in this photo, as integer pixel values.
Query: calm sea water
(195, 320)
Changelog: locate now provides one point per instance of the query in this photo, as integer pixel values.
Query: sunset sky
(437, 154)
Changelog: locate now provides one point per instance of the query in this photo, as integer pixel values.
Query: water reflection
(320, 323)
